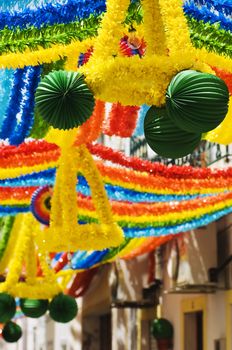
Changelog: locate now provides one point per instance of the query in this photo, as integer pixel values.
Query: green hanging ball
(197, 102)
(7, 307)
(63, 308)
(64, 100)
(11, 332)
(162, 329)
(165, 138)
(34, 307)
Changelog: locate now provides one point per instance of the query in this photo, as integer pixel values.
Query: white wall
(45, 334)
(216, 321)
(201, 254)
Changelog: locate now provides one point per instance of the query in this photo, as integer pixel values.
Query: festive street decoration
(64, 100)
(68, 203)
(19, 114)
(7, 307)
(11, 332)
(121, 121)
(197, 102)
(34, 307)
(162, 329)
(166, 138)
(41, 204)
(31, 286)
(63, 308)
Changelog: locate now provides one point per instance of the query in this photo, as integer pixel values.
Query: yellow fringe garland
(64, 233)
(154, 34)
(223, 133)
(24, 251)
(33, 58)
(167, 217)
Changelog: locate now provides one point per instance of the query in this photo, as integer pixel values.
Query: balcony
(207, 154)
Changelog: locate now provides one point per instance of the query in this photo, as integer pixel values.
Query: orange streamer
(91, 129)
(150, 244)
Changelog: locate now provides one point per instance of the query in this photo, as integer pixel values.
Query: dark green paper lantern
(165, 138)
(34, 307)
(162, 329)
(197, 102)
(64, 100)
(7, 307)
(63, 308)
(11, 332)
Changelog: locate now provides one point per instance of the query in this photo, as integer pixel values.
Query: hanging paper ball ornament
(64, 100)
(41, 204)
(197, 102)
(34, 307)
(7, 307)
(11, 332)
(63, 308)
(162, 329)
(165, 138)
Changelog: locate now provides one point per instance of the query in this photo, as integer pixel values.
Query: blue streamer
(167, 230)
(25, 118)
(88, 260)
(139, 131)
(118, 193)
(14, 104)
(224, 6)
(20, 112)
(16, 5)
(6, 83)
(205, 13)
(14, 210)
(47, 177)
(49, 14)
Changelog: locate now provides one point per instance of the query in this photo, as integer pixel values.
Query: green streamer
(114, 251)
(6, 225)
(33, 38)
(210, 36)
(202, 34)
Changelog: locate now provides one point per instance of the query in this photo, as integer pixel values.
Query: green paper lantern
(162, 329)
(63, 308)
(64, 100)
(34, 307)
(165, 138)
(11, 332)
(7, 307)
(197, 102)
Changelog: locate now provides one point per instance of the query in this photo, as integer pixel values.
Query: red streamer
(122, 120)
(81, 283)
(226, 76)
(176, 172)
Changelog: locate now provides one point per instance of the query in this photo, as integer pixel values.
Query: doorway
(193, 329)
(229, 320)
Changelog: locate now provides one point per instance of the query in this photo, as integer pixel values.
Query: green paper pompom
(162, 329)
(7, 307)
(11, 332)
(165, 138)
(197, 102)
(63, 308)
(64, 100)
(34, 307)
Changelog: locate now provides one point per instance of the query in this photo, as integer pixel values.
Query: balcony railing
(205, 155)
